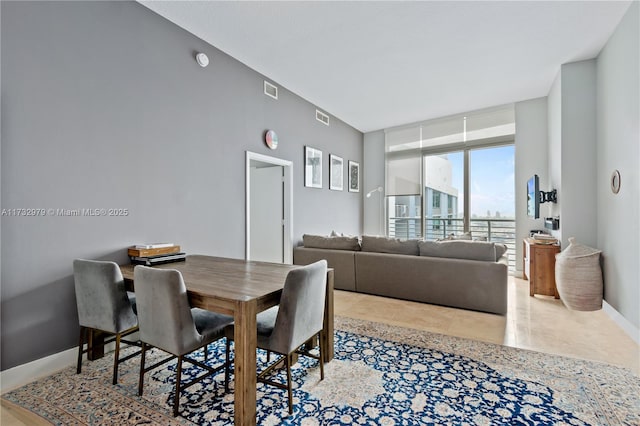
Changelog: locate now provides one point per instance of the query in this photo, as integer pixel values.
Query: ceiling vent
(270, 90)
(322, 117)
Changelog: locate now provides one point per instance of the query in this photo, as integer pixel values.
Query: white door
(267, 213)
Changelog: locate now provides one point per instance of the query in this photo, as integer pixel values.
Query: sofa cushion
(335, 243)
(501, 249)
(389, 245)
(459, 249)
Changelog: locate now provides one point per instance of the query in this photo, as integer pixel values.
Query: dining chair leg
(176, 397)
(116, 357)
(227, 366)
(206, 352)
(288, 364)
(80, 345)
(141, 379)
(321, 360)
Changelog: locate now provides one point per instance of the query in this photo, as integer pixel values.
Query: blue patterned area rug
(381, 375)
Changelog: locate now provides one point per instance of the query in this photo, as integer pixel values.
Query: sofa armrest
(342, 262)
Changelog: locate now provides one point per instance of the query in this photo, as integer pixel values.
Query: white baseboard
(26, 373)
(630, 329)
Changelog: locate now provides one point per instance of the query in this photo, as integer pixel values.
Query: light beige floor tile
(479, 326)
(539, 323)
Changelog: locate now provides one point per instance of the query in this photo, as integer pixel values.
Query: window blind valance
(405, 146)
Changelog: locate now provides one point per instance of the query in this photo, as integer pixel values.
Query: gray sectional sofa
(461, 274)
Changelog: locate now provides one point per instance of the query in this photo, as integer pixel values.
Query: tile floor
(537, 323)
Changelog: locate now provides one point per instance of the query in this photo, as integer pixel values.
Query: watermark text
(64, 212)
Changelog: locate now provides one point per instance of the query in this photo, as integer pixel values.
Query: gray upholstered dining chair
(167, 322)
(103, 305)
(285, 328)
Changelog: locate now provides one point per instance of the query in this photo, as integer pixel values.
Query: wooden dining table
(242, 289)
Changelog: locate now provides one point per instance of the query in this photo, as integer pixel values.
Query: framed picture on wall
(354, 176)
(312, 167)
(336, 175)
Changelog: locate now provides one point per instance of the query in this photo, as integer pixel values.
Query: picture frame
(354, 176)
(336, 172)
(312, 167)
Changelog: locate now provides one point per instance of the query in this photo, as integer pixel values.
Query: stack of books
(545, 239)
(155, 254)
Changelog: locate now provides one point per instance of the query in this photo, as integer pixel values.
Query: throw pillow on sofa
(452, 236)
(334, 243)
(389, 245)
(459, 249)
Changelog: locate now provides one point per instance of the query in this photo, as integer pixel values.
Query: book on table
(158, 259)
(153, 245)
(155, 251)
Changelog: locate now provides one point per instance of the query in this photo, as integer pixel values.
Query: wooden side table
(540, 267)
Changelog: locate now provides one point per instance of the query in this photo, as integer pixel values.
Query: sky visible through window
(491, 184)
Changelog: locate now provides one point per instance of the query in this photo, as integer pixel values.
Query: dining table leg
(245, 339)
(327, 339)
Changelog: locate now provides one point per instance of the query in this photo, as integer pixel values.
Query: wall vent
(270, 90)
(322, 117)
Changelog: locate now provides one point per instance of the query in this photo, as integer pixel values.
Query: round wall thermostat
(271, 139)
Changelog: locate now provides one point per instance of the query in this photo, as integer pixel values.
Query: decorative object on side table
(312, 167)
(579, 277)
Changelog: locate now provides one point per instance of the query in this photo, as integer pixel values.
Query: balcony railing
(495, 230)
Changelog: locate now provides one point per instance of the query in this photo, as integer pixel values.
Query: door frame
(287, 239)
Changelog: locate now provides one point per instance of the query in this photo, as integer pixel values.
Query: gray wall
(618, 134)
(531, 159)
(373, 177)
(593, 119)
(104, 106)
(554, 160)
(572, 152)
(578, 208)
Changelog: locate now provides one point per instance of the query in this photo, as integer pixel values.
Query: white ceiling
(380, 64)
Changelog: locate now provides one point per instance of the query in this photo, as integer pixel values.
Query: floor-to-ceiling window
(453, 177)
